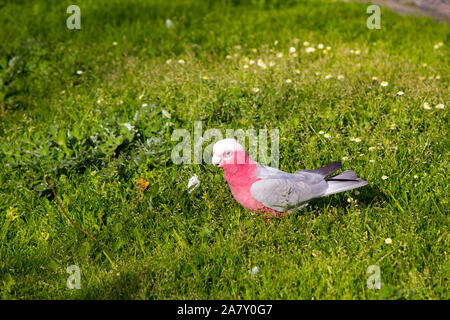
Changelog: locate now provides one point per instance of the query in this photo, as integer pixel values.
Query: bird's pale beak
(216, 161)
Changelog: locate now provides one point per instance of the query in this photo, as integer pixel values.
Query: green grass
(168, 243)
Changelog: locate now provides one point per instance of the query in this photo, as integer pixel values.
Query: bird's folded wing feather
(282, 191)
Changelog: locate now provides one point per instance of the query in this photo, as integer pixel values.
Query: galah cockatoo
(273, 192)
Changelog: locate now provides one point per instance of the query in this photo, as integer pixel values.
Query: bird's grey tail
(344, 181)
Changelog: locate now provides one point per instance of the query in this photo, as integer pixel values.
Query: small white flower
(288, 80)
(168, 61)
(291, 49)
(340, 77)
(388, 241)
(279, 55)
(416, 177)
(400, 93)
(374, 78)
(80, 71)
(327, 135)
(371, 148)
(228, 57)
(328, 48)
(310, 49)
(254, 271)
(321, 132)
(328, 76)
(297, 71)
(384, 177)
(344, 158)
(306, 43)
(371, 161)
(114, 43)
(169, 24)
(260, 63)
(393, 126)
(245, 66)
(320, 46)
(426, 105)
(181, 61)
(144, 105)
(141, 96)
(438, 77)
(384, 83)
(193, 183)
(440, 106)
(251, 62)
(255, 90)
(357, 51)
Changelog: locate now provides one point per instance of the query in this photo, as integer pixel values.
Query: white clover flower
(388, 241)
(440, 106)
(426, 105)
(193, 183)
(384, 177)
(384, 83)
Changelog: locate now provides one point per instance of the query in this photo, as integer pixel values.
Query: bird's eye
(228, 153)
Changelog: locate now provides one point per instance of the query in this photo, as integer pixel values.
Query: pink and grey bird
(273, 192)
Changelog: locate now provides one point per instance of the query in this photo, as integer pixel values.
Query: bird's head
(228, 154)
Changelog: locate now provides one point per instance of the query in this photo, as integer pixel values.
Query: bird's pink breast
(240, 184)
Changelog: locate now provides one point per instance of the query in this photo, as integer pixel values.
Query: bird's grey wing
(287, 191)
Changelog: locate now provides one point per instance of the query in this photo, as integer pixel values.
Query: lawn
(95, 109)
